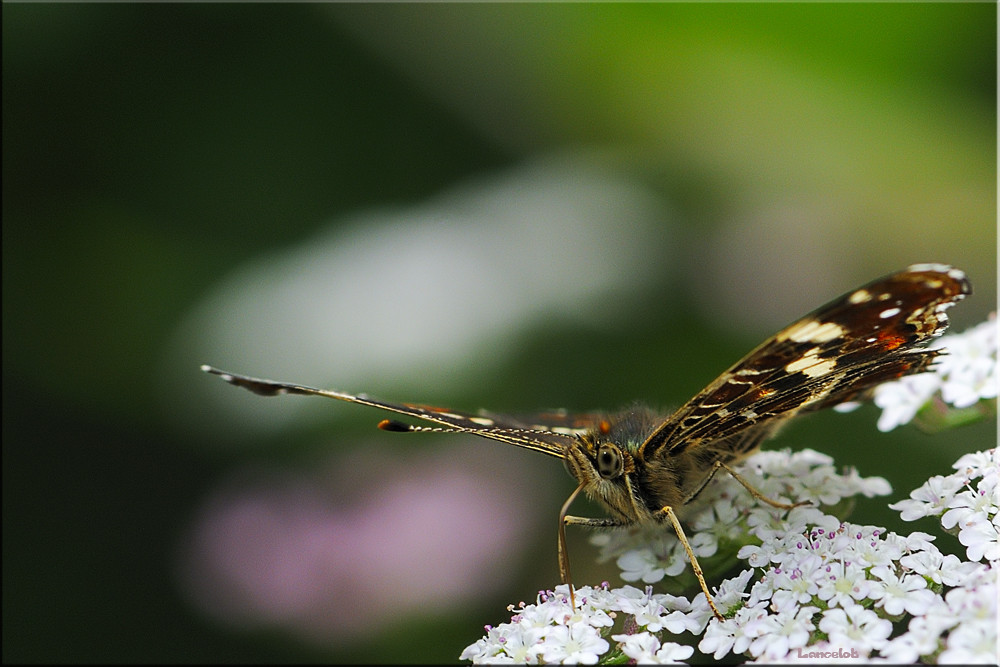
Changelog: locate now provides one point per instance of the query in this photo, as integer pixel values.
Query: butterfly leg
(567, 520)
(701, 487)
(695, 566)
(754, 492)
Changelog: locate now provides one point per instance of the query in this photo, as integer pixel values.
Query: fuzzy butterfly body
(642, 465)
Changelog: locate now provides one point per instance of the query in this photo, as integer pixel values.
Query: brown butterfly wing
(837, 353)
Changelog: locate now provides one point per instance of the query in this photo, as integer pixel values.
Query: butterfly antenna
(396, 426)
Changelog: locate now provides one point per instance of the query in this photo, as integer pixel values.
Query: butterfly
(643, 466)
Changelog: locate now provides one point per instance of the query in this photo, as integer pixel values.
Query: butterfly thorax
(607, 460)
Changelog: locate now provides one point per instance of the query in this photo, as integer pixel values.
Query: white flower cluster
(837, 589)
(552, 631)
(967, 501)
(963, 376)
(828, 590)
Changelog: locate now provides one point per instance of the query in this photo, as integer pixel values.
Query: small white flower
(915, 541)
(671, 653)
(823, 487)
(577, 643)
(966, 504)
(677, 614)
(969, 370)
(734, 634)
(797, 581)
(520, 644)
(862, 545)
(898, 594)
(977, 601)
(869, 487)
(542, 615)
(704, 544)
(756, 555)
(646, 608)
(645, 648)
(981, 538)
(901, 400)
(783, 632)
(722, 513)
(720, 522)
(908, 647)
(943, 569)
(979, 464)
(970, 644)
(732, 591)
(931, 499)
(641, 647)
(507, 643)
(842, 585)
(853, 625)
(934, 624)
(601, 598)
(642, 564)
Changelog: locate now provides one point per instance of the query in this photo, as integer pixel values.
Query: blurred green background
(795, 151)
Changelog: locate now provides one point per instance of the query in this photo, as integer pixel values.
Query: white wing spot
(861, 296)
(889, 312)
(811, 365)
(812, 331)
(930, 266)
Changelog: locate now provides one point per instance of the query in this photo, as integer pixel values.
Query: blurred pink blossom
(356, 543)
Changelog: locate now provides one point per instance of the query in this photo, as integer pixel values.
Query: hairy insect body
(636, 490)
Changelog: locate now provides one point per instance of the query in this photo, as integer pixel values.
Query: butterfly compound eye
(609, 461)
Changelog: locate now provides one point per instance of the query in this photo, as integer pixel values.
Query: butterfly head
(607, 462)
